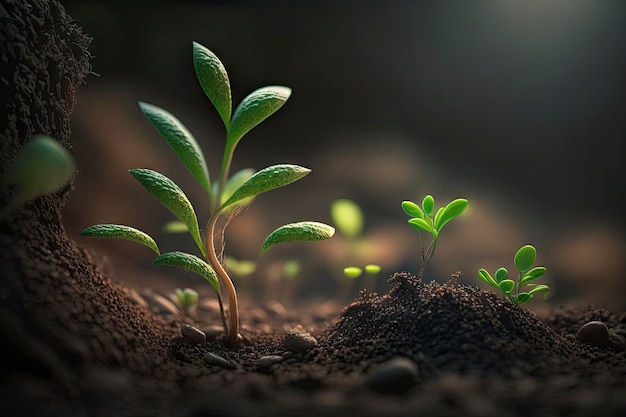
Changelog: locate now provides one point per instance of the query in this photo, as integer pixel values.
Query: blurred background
(517, 106)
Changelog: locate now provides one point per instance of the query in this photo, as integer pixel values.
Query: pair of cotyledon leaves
(423, 217)
(523, 260)
(239, 189)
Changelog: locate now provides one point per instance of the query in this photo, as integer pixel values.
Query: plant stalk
(233, 330)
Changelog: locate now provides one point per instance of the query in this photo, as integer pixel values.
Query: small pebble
(192, 335)
(394, 376)
(594, 333)
(265, 363)
(212, 359)
(299, 341)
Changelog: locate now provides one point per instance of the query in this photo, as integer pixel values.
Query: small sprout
(523, 260)
(423, 221)
(239, 267)
(43, 167)
(227, 194)
(187, 297)
(352, 271)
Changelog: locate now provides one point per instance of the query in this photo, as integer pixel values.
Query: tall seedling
(227, 193)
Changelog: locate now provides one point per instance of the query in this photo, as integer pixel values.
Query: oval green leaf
(453, 209)
(214, 81)
(372, 269)
(484, 275)
(175, 226)
(506, 285)
(189, 262)
(533, 274)
(523, 297)
(121, 232)
(525, 258)
(539, 288)
(428, 205)
(266, 179)
(347, 217)
(298, 232)
(180, 140)
(501, 274)
(412, 209)
(44, 166)
(252, 110)
(352, 271)
(420, 224)
(173, 198)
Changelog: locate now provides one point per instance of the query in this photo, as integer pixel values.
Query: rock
(192, 335)
(299, 341)
(616, 341)
(395, 376)
(594, 333)
(265, 363)
(213, 359)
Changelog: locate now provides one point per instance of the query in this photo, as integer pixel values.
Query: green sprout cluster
(424, 219)
(227, 195)
(523, 260)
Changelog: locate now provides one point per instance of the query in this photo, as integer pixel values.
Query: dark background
(517, 106)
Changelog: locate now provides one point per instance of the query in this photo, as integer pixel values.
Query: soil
(78, 343)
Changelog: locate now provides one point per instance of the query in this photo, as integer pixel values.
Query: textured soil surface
(77, 342)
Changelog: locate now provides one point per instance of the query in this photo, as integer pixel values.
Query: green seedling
(228, 194)
(424, 221)
(523, 260)
(187, 298)
(43, 167)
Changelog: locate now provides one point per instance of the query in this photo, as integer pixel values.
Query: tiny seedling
(187, 298)
(423, 220)
(523, 260)
(43, 166)
(228, 194)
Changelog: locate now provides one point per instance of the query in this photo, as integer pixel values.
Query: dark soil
(78, 343)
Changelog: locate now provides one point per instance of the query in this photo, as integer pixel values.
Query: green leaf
(525, 258)
(484, 275)
(539, 288)
(172, 197)
(235, 181)
(372, 269)
(214, 81)
(347, 217)
(420, 224)
(506, 285)
(175, 226)
(191, 263)
(352, 271)
(186, 297)
(121, 232)
(501, 274)
(252, 110)
(436, 218)
(43, 166)
(453, 209)
(298, 232)
(523, 297)
(180, 140)
(267, 179)
(533, 274)
(240, 268)
(412, 209)
(428, 204)
(291, 268)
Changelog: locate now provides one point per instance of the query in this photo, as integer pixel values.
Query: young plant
(423, 221)
(227, 194)
(43, 166)
(523, 260)
(187, 298)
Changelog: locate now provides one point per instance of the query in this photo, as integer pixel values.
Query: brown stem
(233, 330)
